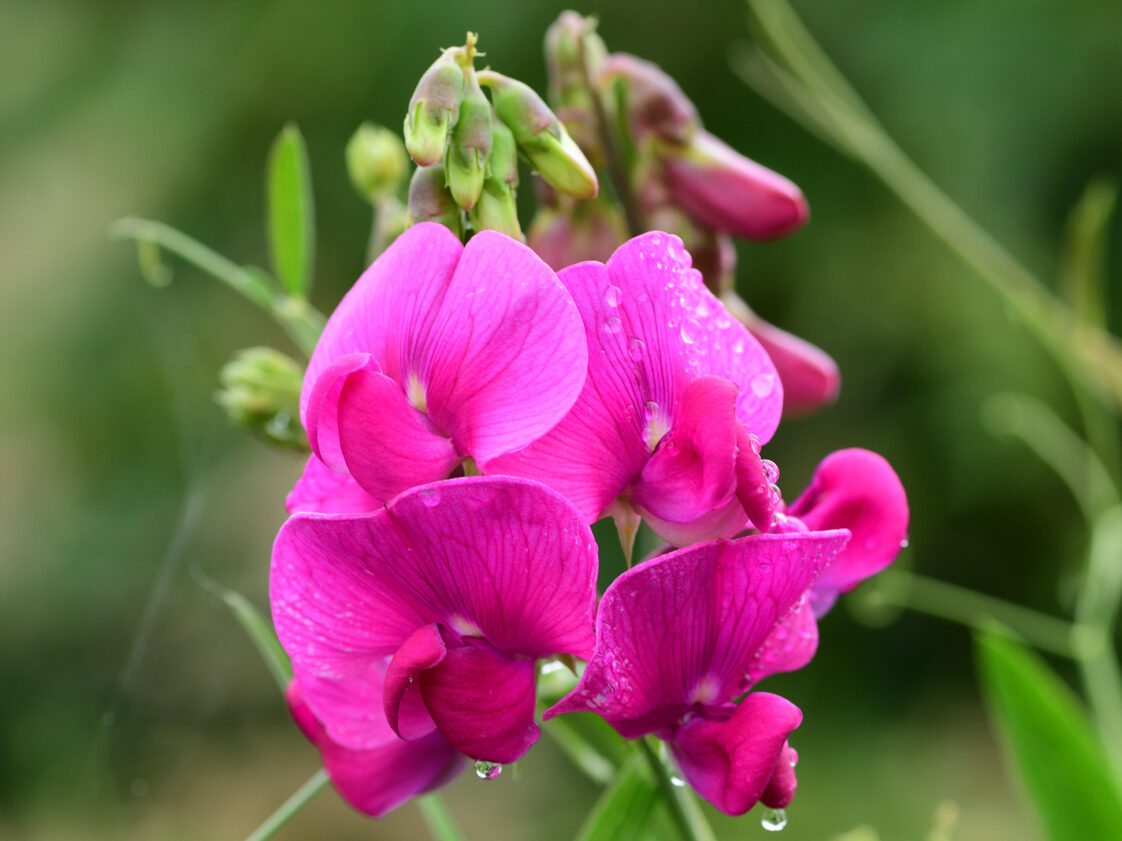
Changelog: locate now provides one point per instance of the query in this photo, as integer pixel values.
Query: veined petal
(424, 649)
(681, 632)
(507, 355)
(857, 490)
(483, 702)
(378, 779)
(730, 763)
(321, 489)
(789, 647)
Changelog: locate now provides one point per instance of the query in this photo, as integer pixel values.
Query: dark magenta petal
(424, 649)
(753, 488)
(856, 490)
(693, 471)
(720, 523)
(781, 787)
(730, 763)
(483, 703)
(321, 489)
(789, 647)
(380, 778)
(681, 631)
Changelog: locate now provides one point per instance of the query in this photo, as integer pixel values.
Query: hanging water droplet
(773, 820)
(488, 770)
(755, 442)
(771, 470)
(613, 325)
(613, 296)
(763, 384)
(636, 347)
(904, 543)
(776, 494)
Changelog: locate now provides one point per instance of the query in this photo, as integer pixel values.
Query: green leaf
(1049, 739)
(291, 214)
(1083, 270)
(625, 809)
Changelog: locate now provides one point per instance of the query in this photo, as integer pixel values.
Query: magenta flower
(810, 377)
(678, 399)
(452, 592)
(680, 637)
(441, 352)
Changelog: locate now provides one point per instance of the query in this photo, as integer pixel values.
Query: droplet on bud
(488, 770)
(771, 470)
(773, 820)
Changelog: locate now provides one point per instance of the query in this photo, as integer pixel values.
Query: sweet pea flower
(681, 636)
(427, 616)
(441, 352)
(678, 400)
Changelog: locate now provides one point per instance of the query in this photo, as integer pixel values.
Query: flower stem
(299, 799)
(438, 819)
(687, 817)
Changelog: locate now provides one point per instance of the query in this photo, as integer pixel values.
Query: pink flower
(439, 353)
(429, 614)
(810, 378)
(680, 637)
(678, 399)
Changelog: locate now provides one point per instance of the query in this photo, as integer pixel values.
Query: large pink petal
(507, 355)
(693, 471)
(390, 311)
(789, 647)
(321, 489)
(681, 631)
(483, 703)
(856, 490)
(730, 763)
(380, 778)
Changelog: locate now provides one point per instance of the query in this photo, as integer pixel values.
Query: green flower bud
(497, 209)
(376, 162)
(466, 161)
(430, 201)
(261, 391)
(541, 137)
(434, 108)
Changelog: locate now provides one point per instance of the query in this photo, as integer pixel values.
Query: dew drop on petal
(771, 470)
(754, 441)
(613, 325)
(763, 384)
(773, 820)
(636, 347)
(776, 494)
(488, 770)
(904, 543)
(613, 296)
(691, 331)
(430, 497)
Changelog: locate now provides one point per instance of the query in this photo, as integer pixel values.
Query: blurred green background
(131, 705)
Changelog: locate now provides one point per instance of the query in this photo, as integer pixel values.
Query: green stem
(584, 756)
(687, 817)
(976, 610)
(299, 799)
(438, 819)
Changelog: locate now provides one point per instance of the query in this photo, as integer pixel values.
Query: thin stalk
(299, 799)
(584, 756)
(438, 819)
(687, 817)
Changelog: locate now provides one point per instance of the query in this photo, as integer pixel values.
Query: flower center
(415, 393)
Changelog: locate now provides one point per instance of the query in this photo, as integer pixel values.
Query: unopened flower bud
(574, 53)
(434, 109)
(261, 390)
(726, 191)
(466, 161)
(430, 201)
(497, 208)
(376, 162)
(577, 231)
(654, 100)
(541, 137)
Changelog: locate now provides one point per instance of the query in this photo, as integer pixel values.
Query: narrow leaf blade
(1048, 738)
(625, 809)
(291, 214)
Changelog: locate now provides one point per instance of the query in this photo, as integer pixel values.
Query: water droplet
(703, 308)
(651, 409)
(488, 770)
(773, 820)
(763, 384)
(904, 543)
(551, 667)
(430, 497)
(755, 442)
(776, 494)
(691, 331)
(613, 325)
(676, 779)
(613, 296)
(771, 470)
(636, 348)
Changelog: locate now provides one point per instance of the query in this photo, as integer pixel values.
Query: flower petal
(789, 647)
(681, 631)
(507, 356)
(753, 489)
(424, 649)
(322, 490)
(781, 787)
(483, 703)
(730, 763)
(856, 490)
(810, 377)
(378, 779)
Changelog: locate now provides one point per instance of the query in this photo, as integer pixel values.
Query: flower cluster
(471, 413)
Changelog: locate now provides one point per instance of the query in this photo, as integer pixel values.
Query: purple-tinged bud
(574, 53)
(434, 108)
(541, 136)
(726, 191)
(577, 231)
(497, 208)
(376, 162)
(810, 378)
(466, 160)
(430, 201)
(654, 100)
